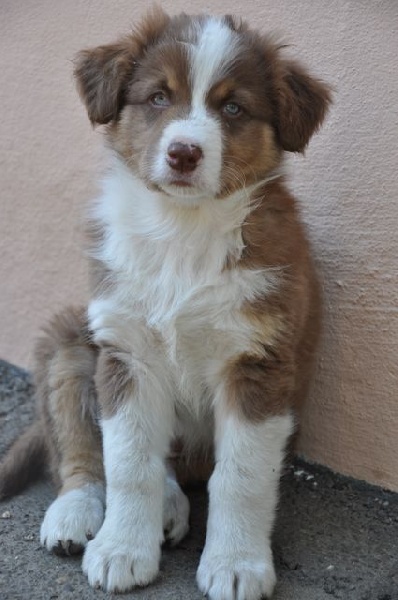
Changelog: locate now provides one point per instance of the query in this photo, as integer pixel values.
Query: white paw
(175, 512)
(115, 564)
(73, 519)
(241, 576)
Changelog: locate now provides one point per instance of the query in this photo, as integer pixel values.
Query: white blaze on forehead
(211, 56)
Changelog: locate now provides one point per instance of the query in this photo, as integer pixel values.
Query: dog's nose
(183, 157)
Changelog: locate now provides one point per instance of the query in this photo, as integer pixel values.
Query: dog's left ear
(301, 105)
(102, 74)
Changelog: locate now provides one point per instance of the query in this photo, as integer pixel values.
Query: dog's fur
(199, 337)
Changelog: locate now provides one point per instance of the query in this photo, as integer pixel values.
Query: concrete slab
(334, 537)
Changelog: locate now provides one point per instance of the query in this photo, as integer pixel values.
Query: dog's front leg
(237, 562)
(137, 425)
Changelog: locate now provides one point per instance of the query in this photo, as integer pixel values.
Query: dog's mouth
(184, 186)
(183, 191)
(181, 183)
(181, 186)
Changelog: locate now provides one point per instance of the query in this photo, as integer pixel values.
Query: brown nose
(183, 157)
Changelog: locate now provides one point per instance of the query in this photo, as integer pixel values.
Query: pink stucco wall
(348, 184)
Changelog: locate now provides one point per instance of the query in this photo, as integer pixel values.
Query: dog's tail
(24, 462)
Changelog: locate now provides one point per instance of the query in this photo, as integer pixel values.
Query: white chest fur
(172, 293)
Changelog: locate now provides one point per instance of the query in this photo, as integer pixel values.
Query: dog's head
(199, 106)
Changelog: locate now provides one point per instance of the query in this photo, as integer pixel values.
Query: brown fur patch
(260, 386)
(245, 162)
(114, 381)
(64, 375)
(287, 321)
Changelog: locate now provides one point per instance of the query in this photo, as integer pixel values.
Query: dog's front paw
(116, 564)
(73, 519)
(236, 576)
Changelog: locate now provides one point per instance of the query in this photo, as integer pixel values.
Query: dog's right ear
(302, 103)
(103, 73)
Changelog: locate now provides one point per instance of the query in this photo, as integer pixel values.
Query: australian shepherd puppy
(195, 351)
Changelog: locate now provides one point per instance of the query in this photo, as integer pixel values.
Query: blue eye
(160, 99)
(232, 109)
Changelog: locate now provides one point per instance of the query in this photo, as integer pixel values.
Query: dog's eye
(160, 100)
(232, 109)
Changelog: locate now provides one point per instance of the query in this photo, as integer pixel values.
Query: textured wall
(347, 182)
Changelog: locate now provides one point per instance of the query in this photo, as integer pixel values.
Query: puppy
(196, 349)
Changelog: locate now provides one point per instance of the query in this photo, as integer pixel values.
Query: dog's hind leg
(66, 363)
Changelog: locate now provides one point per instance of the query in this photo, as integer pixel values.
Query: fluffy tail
(24, 461)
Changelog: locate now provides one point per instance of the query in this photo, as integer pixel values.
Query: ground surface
(335, 537)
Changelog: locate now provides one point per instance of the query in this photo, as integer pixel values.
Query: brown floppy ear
(103, 73)
(302, 102)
